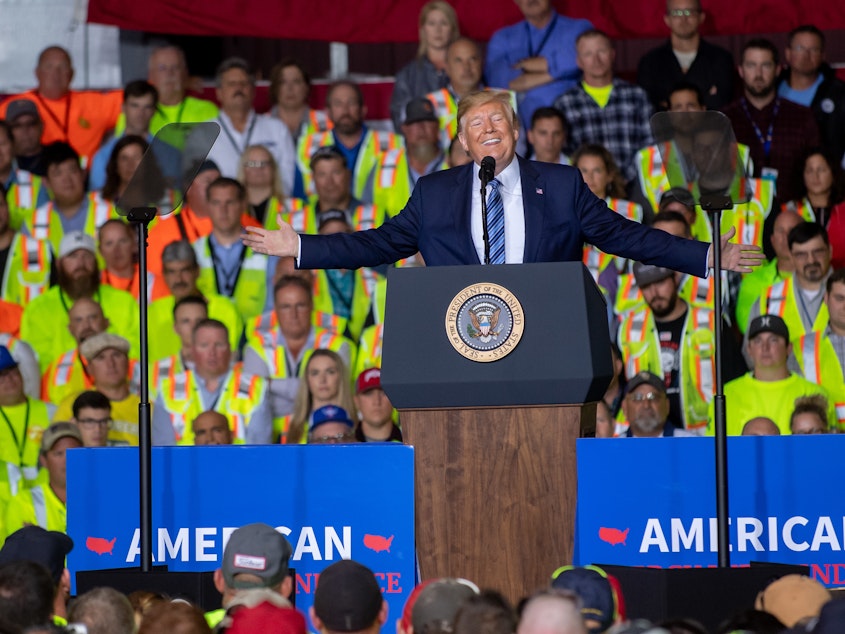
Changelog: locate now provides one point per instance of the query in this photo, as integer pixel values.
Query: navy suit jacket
(561, 214)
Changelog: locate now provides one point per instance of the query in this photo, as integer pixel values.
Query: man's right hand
(283, 242)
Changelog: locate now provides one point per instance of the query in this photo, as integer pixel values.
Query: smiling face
(488, 130)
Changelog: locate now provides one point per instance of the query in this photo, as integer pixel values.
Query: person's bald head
(212, 428)
(760, 426)
(552, 612)
(86, 319)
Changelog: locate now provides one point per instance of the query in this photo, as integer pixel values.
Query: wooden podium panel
(496, 491)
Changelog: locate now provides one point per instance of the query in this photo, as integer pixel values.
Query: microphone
(486, 173)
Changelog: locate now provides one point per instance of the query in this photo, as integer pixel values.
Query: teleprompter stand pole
(141, 217)
(714, 205)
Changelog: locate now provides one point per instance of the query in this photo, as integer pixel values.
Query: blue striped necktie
(496, 223)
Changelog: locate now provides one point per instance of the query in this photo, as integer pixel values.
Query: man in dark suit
(549, 213)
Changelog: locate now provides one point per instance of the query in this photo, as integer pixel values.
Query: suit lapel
(460, 202)
(533, 201)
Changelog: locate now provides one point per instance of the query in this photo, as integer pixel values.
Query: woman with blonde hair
(324, 382)
(438, 26)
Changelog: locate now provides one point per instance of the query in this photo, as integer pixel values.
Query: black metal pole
(722, 523)
(141, 217)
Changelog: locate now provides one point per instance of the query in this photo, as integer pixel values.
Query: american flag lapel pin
(539, 190)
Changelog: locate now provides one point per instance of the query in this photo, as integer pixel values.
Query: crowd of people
(247, 348)
(257, 586)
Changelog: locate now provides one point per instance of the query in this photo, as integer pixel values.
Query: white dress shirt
(259, 130)
(511, 192)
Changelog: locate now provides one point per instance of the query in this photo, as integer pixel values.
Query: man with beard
(45, 319)
(777, 131)
(67, 373)
(360, 145)
(241, 127)
(646, 408)
(799, 300)
(675, 340)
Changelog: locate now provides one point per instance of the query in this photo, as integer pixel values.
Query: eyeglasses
(650, 396)
(683, 13)
(257, 164)
(333, 440)
(812, 50)
(90, 422)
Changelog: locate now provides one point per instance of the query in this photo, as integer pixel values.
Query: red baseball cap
(369, 379)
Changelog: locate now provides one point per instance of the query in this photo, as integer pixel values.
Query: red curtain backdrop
(363, 21)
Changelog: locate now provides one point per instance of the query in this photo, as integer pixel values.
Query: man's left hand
(741, 258)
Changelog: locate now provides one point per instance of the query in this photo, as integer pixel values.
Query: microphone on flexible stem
(486, 173)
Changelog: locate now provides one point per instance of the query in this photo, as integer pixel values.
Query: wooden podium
(494, 441)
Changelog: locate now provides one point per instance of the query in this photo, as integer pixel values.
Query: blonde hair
(446, 9)
(482, 97)
(303, 404)
(276, 180)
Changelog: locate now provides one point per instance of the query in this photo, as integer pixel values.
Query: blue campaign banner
(652, 502)
(332, 502)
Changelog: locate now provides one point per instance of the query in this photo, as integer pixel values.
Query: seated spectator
(122, 164)
(167, 71)
(792, 599)
(22, 190)
(547, 136)
(375, 411)
(48, 548)
(214, 383)
(290, 85)
(143, 601)
(179, 617)
(24, 356)
(348, 599)
(27, 128)
(117, 244)
(253, 542)
(646, 408)
(605, 424)
(604, 109)
(80, 118)
(258, 172)
(591, 584)
(181, 272)
(262, 610)
(103, 611)
(27, 418)
(760, 426)
(770, 389)
(71, 208)
(27, 597)
(67, 374)
(485, 613)
(325, 381)
(434, 604)
(330, 425)
(438, 27)
(107, 359)
(809, 416)
(45, 319)
(92, 415)
(139, 107)
(44, 504)
(211, 428)
(822, 199)
(553, 611)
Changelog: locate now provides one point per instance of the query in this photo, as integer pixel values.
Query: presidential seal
(484, 322)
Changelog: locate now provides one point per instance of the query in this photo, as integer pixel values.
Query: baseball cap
(590, 583)
(207, 166)
(646, 378)
(676, 195)
(330, 414)
(75, 240)
(439, 601)
(55, 432)
(768, 323)
(331, 214)
(6, 359)
(33, 543)
(419, 109)
(369, 379)
(348, 597)
(259, 550)
(95, 344)
(21, 107)
(792, 598)
(646, 274)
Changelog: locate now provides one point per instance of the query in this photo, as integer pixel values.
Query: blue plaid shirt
(622, 126)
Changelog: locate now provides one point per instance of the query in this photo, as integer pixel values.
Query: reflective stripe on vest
(64, 367)
(365, 216)
(387, 178)
(592, 260)
(39, 504)
(24, 197)
(811, 355)
(749, 224)
(41, 222)
(776, 298)
(803, 208)
(179, 392)
(635, 333)
(840, 414)
(703, 318)
(16, 474)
